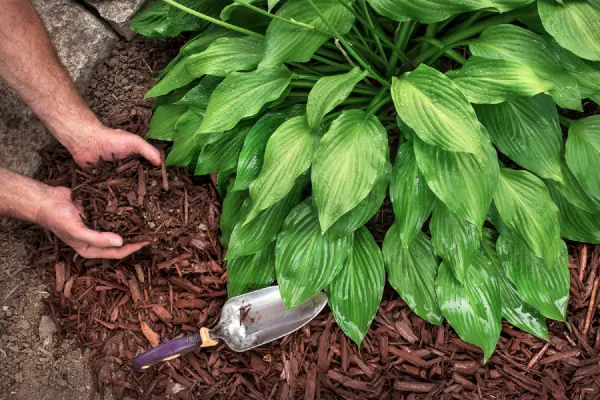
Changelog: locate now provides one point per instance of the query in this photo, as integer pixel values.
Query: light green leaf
(329, 92)
(252, 237)
(225, 180)
(253, 272)
(587, 76)
(307, 260)
(177, 77)
(199, 95)
(431, 104)
(252, 155)
(527, 131)
(186, 145)
(271, 4)
(231, 213)
(347, 163)
(355, 293)
(222, 154)
(544, 286)
(490, 81)
(463, 182)
(574, 24)
(412, 200)
(287, 42)
(575, 194)
(242, 95)
(152, 21)
(514, 309)
(411, 271)
(583, 153)
(288, 154)
(455, 239)
(228, 11)
(474, 309)
(576, 224)
(162, 124)
(527, 210)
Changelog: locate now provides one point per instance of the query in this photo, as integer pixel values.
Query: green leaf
(576, 224)
(455, 239)
(463, 182)
(583, 153)
(252, 155)
(253, 272)
(329, 92)
(272, 4)
(355, 293)
(186, 145)
(177, 77)
(489, 81)
(162, 124)
(307, 260)
(152, 21)
(225, 180)
(431, 104)
(514, 309)
(347, 163)
(527, 131)
(412, 200)
(428, 11)
(242, 95)
(574, 24)
(527, 210)
(544, 286)
(252, 237)
(288, 154)
(575, 194)
(287, 42)
(587, 76)
(228, 11)
(365, 210)
(474, 309)
(231, 213)
(227, 55)
(510, 42)
(411, 271)
(222, 154)
(199, 95)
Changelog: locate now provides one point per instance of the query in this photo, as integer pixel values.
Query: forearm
(21, 196)
(29, 64)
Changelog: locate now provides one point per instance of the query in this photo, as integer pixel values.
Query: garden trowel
(247, 321)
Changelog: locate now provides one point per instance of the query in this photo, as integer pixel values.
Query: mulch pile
(176, 285)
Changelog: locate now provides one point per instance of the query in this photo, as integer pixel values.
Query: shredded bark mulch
(176, 285)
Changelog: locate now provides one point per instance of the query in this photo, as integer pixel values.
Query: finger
(79, 205)
(112, 253)
(92, 238)
(146, 150)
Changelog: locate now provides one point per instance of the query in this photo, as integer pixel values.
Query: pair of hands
(61, 215)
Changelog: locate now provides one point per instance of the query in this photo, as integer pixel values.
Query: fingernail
(116, 242)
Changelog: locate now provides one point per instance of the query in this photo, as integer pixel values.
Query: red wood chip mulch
(178, 284)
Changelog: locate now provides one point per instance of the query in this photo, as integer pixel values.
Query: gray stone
(47, 327)
(82, 41)
(118, 13)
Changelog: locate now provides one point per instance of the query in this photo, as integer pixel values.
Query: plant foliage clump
(293, 104)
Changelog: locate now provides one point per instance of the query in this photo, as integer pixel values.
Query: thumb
(96, 239)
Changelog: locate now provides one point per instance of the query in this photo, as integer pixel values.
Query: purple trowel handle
(166, 351)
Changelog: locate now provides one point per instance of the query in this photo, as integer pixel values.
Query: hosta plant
(312, 111)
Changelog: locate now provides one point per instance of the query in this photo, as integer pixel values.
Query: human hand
(59, 214)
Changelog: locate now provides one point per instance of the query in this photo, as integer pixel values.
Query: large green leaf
(152, 21)
(222, 154)
(526, 130)
(583, 153)
(199, 95)
(231, 213)
(428, 11)
(510, 42)
(251, 237)
(514, 309)
(355, 293)
(287, 42)
(474, 309)
(544, 286)
(307, 260)
(288, 154)
(329, 92)
(455, 239)
(576, 224)
(411, 271)
(242, 95)
(252, 155)
(253, 272)
(463, 182)
(365, 210)
(575, 194)
(162, 124)
(527, 211)
(412, 200)
(177, 77)
(574, 24)
(587, 76)
(431, 104)
(186, 144)
(348, 161)
(492, 81)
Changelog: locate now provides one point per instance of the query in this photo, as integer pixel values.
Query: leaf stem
(277, 17)
(405, 30)
(448, 51)
(363, 3)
